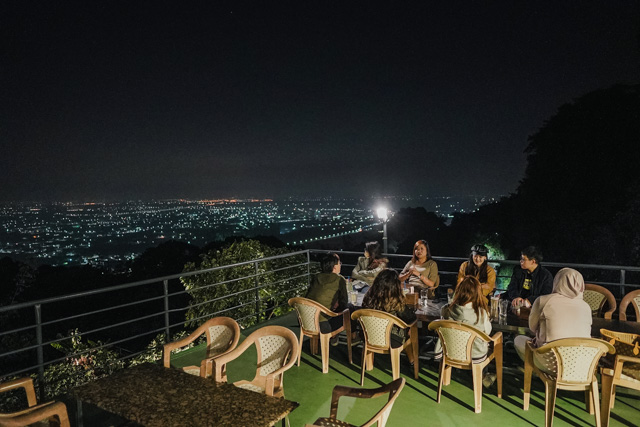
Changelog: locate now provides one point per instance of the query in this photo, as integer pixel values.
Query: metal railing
(127, 317)
(614, 277)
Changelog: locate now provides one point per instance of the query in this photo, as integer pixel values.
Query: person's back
(326, 289)
(563, 313)
(469, 294)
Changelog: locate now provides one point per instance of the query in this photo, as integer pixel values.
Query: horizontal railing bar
(13, 331)
(102, 310)
(140, 283)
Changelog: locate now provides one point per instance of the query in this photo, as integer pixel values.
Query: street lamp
(383, 215)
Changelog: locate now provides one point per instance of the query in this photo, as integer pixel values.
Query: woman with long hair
(370, 264)
(469, 306)
(386, 295)
(421, 271)
(477, 267)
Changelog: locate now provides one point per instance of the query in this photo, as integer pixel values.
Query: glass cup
(424, 299)
(504, 308)
(495, 302)
(353, 297)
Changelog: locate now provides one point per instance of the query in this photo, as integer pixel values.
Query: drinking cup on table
(495, 302)
(424, 299)
(353, 297)
(504, 308)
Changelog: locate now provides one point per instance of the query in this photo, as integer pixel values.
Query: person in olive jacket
(529, 281)
(329, 288)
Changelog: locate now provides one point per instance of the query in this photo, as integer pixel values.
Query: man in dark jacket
(530, 280)
(329, 288)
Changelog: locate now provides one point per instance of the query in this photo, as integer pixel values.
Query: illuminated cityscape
(109, 234)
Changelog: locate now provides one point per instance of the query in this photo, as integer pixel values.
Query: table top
(152, 395)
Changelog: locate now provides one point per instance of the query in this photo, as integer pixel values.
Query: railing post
(40, 351)
(308, 268)
(257, 283)
(167, 337)
(622, 282)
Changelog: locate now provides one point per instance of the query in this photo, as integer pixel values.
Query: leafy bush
(85, 362)
(249, 293)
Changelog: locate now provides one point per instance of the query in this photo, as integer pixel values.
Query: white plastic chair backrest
(376, 330)
(456, 343)
(578, 362)
(307, 316)
(593, 298)
(273, 350)
(220, 337)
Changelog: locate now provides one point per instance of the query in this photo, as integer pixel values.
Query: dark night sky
(123, 99)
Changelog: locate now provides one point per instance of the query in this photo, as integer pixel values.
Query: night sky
(104, 100)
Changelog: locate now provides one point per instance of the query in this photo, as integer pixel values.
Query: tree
(233, 291)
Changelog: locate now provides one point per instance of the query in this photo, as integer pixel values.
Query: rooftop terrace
(305, 384)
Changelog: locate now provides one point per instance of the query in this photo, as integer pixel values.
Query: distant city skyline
(110, 234)
(162, 100)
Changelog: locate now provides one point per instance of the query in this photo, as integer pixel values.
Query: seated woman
(477, 267)
(469, 306)
(386, 295)
(422, 271)
(370, 264)
(561, 314)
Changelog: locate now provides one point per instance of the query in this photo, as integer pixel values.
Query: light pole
(383, 214)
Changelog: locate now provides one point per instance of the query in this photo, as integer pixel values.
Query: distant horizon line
(248, 199)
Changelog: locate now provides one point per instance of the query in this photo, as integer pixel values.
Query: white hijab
(568, 282)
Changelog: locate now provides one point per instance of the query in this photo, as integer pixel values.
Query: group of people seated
(557, 308)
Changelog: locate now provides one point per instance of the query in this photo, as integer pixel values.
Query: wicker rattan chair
(457, 341)
(393, 389)
(35, 412)
(623, 368)
(222, 335)
(376, 326)
(309, 312)
(576, 361)
(277, 347)
(633, 299)
(596, 296)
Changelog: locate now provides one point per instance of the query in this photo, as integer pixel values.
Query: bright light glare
(382, 213)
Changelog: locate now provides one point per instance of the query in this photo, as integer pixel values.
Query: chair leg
(440, 380)
(416, 359)
(550, 402)
(498, 357)
(447, 375)
(476, 372)
(595, 400)
(346, 319)
(395, 362)
(613, 395)
(364, 361)
(587, 402)
(607, 391)
(313, 342)
(370, 360)
(300, 346)
(528, 371)
(324, 350)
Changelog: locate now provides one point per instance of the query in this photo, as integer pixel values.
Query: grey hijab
(568, 282)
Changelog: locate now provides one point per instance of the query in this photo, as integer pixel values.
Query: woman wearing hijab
(560, 314)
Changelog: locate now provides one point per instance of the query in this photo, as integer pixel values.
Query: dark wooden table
(152, 395)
